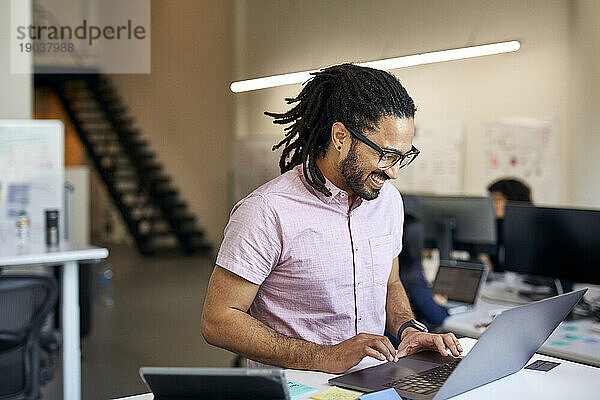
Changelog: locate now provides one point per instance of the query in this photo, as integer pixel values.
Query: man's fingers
(458, 346)
(391, 347)
(369, 351)
(402, 350)
(378, 344)
(450, 344)
(439, 344)
(409, 346)
(445, 344)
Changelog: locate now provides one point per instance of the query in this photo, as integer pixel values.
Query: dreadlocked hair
(345, 93)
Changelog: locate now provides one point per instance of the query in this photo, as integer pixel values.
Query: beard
(356, 178)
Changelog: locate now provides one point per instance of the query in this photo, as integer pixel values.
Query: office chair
(25, 302)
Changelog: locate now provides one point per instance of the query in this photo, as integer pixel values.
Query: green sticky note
(572, 337)
(299, 389)
(559, 343)
(569, 328)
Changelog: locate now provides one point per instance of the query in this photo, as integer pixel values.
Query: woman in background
(503, 191)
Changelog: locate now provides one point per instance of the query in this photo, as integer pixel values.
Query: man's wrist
(413, 325)
(408, 331)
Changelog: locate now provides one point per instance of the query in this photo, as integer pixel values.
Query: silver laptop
(461, 282)
(215, 383)
(503, 349)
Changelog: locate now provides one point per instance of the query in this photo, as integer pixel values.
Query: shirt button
(342, 195)
(360, 318)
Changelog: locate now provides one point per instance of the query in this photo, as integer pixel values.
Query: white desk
(572, 340)
(68, 255)
(568, 380)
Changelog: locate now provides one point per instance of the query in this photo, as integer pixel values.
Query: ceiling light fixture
(386, 64)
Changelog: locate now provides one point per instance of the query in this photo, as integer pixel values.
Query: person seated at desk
(313, 253)
(503, 191)
(427, 307)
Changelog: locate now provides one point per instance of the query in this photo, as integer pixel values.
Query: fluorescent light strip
(387, 64)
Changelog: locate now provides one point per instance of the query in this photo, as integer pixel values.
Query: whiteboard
(31, 175)
(439, 167)
(527, 149)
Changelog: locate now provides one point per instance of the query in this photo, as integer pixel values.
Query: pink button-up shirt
(322, 266)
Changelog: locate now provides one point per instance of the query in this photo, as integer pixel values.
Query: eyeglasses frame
(412, 152)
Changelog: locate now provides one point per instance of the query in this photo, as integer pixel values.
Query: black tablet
(215, 383)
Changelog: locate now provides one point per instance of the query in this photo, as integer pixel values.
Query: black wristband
(411, 324)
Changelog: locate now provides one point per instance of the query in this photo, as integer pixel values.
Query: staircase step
(159, 232)
(161, 240)
(173, 203)
(164, 191)
(130, 190)
(193, 234)
(179, 219)
(142, 155)
(86, 107)
(149, 172)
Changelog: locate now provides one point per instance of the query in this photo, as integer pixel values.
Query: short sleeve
(252, 246)
(397, 228)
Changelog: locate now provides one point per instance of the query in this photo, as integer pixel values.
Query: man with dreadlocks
(307, 274)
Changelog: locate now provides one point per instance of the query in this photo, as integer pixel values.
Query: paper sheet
(336, 393)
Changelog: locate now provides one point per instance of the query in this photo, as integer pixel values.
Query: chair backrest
(25, 302)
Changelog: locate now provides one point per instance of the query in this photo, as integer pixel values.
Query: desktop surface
(568, 380)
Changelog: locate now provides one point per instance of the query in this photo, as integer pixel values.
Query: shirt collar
(337, 194)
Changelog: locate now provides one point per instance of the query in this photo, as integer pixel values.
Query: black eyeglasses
(387, 158)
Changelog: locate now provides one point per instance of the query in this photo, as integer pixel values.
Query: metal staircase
(151, 207)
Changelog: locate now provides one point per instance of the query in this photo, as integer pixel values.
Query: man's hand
(414, 341)
(345, 355)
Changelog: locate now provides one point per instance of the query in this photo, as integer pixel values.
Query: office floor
(155, 322)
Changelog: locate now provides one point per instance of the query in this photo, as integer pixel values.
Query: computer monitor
(448, 220)
(553, 242)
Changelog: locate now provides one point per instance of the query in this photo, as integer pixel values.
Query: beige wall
(285, 36)
(585, 105)
(184, 106)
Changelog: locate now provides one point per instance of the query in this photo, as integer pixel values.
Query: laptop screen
(458, 283)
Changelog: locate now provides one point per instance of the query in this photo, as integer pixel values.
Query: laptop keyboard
(425, 382)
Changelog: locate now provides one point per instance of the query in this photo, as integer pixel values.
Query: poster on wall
(31, 176)
(526, 149)
(439, 167)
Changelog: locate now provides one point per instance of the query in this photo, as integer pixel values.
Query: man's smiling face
(359, 168)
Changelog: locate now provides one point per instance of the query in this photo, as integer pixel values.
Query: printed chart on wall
(439, 167)
(31, 174)
(527, 149)
(255, 164)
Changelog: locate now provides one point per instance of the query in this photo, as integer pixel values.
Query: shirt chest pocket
(381, 257)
